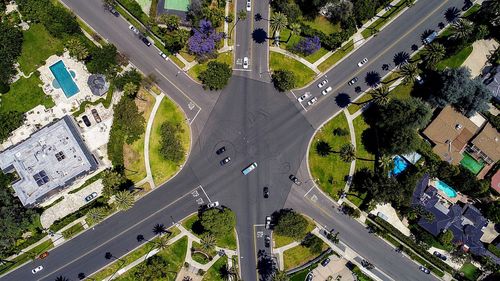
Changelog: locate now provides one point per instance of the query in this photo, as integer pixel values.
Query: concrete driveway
(335, 268)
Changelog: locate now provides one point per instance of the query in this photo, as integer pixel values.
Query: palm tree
(432, 54)
(462, 29)
(162, 242)
(242, 15)
(130, 89)
(171, 21)
(95, 215)
(278, 22)
(280, 276)
(159, 229)
(208, 242)
(451, 14)
(385, 162)
(401, 58)
(61, 278)
(409, 72)
(77, 49)
(294, 29)
(380, 95)
(124, 199)
(347, 152)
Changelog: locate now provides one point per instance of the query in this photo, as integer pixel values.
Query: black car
(220, 150)
(325, 262)
(266, 192)
(467, 5)
(439, 255)
(86, 120)
(295, 179)
(114, 12)
(146, 41)
(267, 241)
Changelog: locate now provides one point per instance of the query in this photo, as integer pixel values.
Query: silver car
(312, 101)
(322, 83)
(303, 97)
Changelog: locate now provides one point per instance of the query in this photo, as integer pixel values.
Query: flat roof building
(48, 161)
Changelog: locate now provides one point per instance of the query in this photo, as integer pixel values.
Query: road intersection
(256, 124)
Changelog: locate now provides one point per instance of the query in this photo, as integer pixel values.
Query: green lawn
(195, 71)
(177, 61)
(456, 60)
(361, 276)
(213, 274)
(38, 45)
(19, 260)
(24, 95)
(175, 254)
(470, 271)
(227, 241)
(330, 170)
(321, 23)
(72, 231)
(298, 255)
(162, 169)
(290, 45)
(336, 56)
(280, 241)
(380, 22)
(364, 158)
(303, 74)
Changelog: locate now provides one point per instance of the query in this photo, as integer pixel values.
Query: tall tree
(216, 76)
(77, 49)
(11, 40)
(9, 121)
(462, 29)
(409, 72)
(432, 54)
(385, 162)
(347, 152)
(295, 29)
(278, 22)
(218, 221)
(380, 95)
(124, 200)
(112, 181)
(130, 89)
(283, 79)
(96, 215)
(291, 224)
(401, 58)
(208, 242)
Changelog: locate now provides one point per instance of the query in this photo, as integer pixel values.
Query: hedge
(494, 250)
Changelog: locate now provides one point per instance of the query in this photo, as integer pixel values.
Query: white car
(303, 97)
(163, 55)
(362, 62)
(268, 222)
(36, 269)
(312, 101)
(134, 30)
(249, 5)
(245, 62)
(213, 204)
(322, 83)
(326, 91)
(419, 79)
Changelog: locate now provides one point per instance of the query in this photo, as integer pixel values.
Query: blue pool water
(400, 164)
(449, 191)
(64, 79)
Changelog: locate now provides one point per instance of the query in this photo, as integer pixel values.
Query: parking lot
(332, 270)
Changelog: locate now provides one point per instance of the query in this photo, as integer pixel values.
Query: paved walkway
(352, 133)
(279, 252)
(296, 57)
(149, 126)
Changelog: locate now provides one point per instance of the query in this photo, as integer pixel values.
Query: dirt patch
(479, 56)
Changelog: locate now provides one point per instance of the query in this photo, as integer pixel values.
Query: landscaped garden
(470, 272)
(72, 231)
(300, 255)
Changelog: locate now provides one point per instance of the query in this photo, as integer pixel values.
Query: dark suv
(145, 40)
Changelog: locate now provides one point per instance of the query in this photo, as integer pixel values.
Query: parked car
(439, 255)
(312, 101)
(220, 150)
(91, 196)
(322, 83)
(245, 62)
(114, 12)
(163, 55)
(97, 118)
(86, 120)
(362, 62)
(424, 269)
(467, 5)
(353, 80)
(268, 222)
(325, 262)
(294, 179)
(43, 255)
(303, 97)
(249, 5)
(430, 38)
(225, 160)
(267, 241)
(36, 269)
(213, 205)
(326, 91)
(134, 30)
(146, 41)
(266, 192)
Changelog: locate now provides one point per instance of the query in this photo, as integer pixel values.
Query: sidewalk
(279, 252)
(149, 126)
(296, 57)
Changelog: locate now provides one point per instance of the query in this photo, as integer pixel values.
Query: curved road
(255, 123)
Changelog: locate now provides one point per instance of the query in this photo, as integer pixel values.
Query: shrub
(216, 76)
(308, 45)
(283, 80)
(170, 144)
(291, 224)
(204, 39)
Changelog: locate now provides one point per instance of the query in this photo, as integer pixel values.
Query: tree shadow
(198, 228)
(343, 100)
(259, 36)
(372, 78)
(369, 140)
(323, 148)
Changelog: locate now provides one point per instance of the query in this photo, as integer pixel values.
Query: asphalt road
(256, 124)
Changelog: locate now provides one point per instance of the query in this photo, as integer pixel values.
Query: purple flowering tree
(204, 39)
(308, 45)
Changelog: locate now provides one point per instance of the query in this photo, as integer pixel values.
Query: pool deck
(460, 197)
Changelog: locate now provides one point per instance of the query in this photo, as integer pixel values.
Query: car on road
(353, 80)
(362, 62)
(439, 255)
(250, 168)
(268, 222)
(249, 5)
(294, 179)
(114, 12)
(430, 38)
(322, 83)
(325, 262)
(326, 91)
(312, 101)
(303, 97)
(163, 55)
(245, 62)
(145, 41)
(134, 30)
(213, 205)
(267, 241)
(266, 192)
(220, 150)
(424, 269)
(43, 255)
(91, 196)
(97, 118)
(86, 120)
(467, 5)
(36, 269)
(225, 160)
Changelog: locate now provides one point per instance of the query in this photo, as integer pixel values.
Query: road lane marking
(182, 92)
(309, 190)
(116, 236)
(202, 189)
(361, 69)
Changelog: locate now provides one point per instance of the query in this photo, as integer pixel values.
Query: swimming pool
(64, 79)
(448, 190)
(400, 164)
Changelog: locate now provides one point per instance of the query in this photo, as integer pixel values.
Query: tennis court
(471, 164)
(178, 5)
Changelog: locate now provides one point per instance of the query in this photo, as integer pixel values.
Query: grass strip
(72, 231)
(336, 56)
(382, 20)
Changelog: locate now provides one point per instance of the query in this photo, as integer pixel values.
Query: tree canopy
(218, 221)
(103, 60)
(204, 40)
(291, 224)
(170, 144)
(9, 121)
(283, 80)
(11, 40)
(216, 76)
